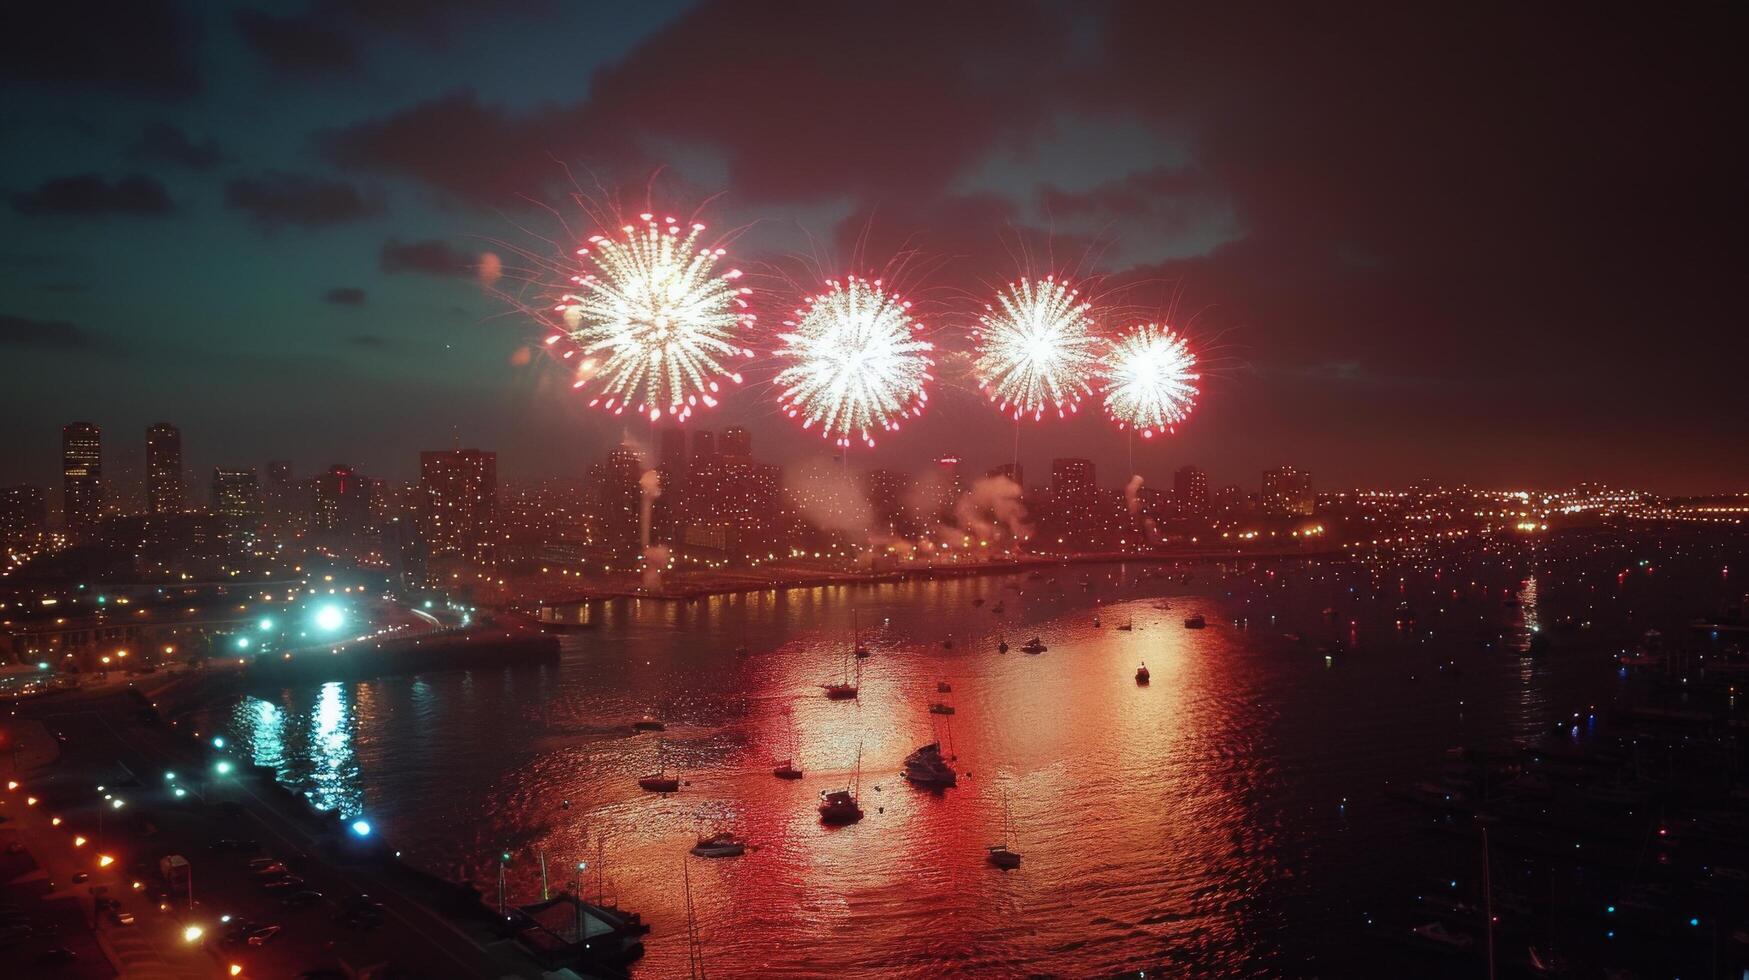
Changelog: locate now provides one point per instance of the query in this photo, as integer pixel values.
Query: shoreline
(694, 592)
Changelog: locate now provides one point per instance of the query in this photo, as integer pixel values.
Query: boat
(648, 725)
(1437, 934)
(947, 644)
(786, 768)
(941, 708)
(1096, 622)
(1001, 644)
(1142, 674)
(943, 687)
(721, 844)
(1127, 625)
(845, 688)
(1034, 645)
(1000, 854)
(1195, 622)
(660, 781)
(840, 806)
(998, 608)
(977, 602)
(925, 767)
(860, 651)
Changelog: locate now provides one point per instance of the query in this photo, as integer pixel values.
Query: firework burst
(1037, 350)
(652, 321)
(1150, 380)
(855, 364)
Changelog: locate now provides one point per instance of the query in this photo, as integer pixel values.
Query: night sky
(1502, 246)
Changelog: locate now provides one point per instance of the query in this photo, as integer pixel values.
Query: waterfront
(1233, 817)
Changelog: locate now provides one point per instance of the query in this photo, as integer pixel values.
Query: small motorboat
(648, 725)
(1004, 858)
(840, 692)
(947, 644)
(943, 687)
(659, 783)
(786, 770)
(941, 708)
(1142, 674)
(1195, 622)
(1001, 646)
(1126, 625)
(1034, 645)
(721, 844)
(1096, 622)
(862, 653)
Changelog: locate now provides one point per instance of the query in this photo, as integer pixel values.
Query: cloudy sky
(1500, 245)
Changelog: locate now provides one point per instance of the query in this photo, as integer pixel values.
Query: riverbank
(693, 589)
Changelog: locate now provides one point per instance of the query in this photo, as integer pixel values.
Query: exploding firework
(855, 364)
(1037, 351)
(1149, 380)
(652, 321)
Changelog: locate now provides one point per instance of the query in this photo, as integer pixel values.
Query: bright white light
(330, 618)
(361, 828)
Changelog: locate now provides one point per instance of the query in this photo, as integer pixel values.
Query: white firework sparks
(1037, 351)
(1149, 380)
(855, 364)
(652, 321)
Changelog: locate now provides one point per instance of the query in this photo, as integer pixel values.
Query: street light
(104, 860)
(361, 827)
(192, 934)
(223, 768)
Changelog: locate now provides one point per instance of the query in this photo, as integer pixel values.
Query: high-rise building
(737, 442)
(23, 513)
(704, 477)
(343, 504)
(1287, 491)
(81, 479)
(1190, 491)
(459, 506)
(948, 483)
(405, 552)
(236, 502)
(164, 489)
(1071, 480)
(619, 499)
(704, 443)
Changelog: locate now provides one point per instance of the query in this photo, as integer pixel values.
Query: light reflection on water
(1197, 824)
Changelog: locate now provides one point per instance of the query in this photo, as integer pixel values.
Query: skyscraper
(81, 479)
(459, 509)
(1190, 491)
(164, 490)
(619, 499)
(236, 496)
(737, 442)
(343, 502)
(1287, 491)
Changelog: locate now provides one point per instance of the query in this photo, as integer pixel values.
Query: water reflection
(1201, 822)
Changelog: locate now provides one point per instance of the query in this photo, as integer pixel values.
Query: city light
(218, 741)
(330, 617)
(192, 934)
(104, 860)
(78, 840)
(265, 625)
(223, 768)
(361, 828)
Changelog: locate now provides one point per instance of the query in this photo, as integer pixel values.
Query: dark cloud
(137, 46)
(303, 44)
(162, 141)
(430, 257)
(91, 194)
(18, 331)
(344, 296)
(829, 115)
(277, 199)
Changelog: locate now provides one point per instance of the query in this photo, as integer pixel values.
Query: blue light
(218, 741)
(1610, 910)
(361, 828)
(1694, 922)
(330, 618)
(242, 643)
(265, 625)
(223, 768)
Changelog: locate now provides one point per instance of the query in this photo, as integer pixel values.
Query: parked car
(121, 918)
(284, 882)
(256, 864)
(80, 877)
(271, 870)
(298, 899)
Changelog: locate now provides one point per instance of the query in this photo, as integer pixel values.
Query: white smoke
(829, 497)
(1132, 494)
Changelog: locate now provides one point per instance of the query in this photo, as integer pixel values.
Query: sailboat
(845, 688)
(1000, 855)
(660, 781)
(787, 769)
(840, 806)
